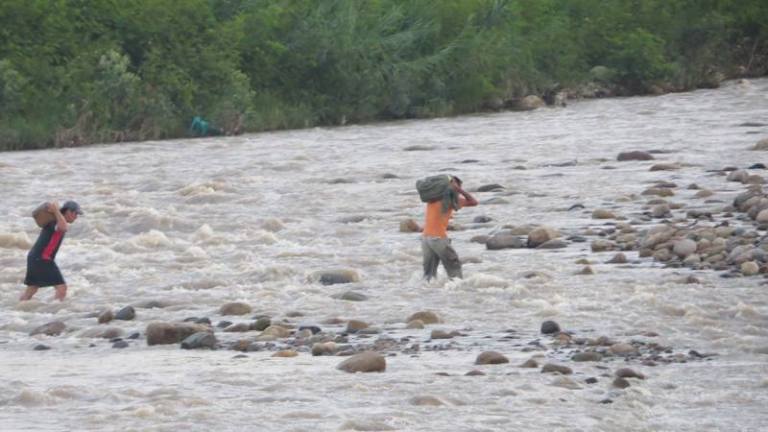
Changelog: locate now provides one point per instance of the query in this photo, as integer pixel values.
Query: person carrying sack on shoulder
(435, 244)
(42, 270)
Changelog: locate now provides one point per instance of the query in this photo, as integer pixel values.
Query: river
(194, 224)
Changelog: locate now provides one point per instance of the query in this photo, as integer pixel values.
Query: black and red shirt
(47, 243)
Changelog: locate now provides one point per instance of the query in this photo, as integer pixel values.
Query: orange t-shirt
(436, 221)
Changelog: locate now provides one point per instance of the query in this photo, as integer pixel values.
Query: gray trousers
(436, 250)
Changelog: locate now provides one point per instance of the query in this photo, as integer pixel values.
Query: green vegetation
(74, 72)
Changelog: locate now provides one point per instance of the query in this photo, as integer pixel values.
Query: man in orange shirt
(435, 244)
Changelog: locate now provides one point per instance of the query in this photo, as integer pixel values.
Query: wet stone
(126, 314)
(41, 347)
(351, 296)
(106, 316)
(550, 327)
(261, 324)
(555, 368)
(587, 356)
(223, 324)
(367, 361)
(491, 357)
(591, 380)
(475, 372)
(530, 364)
(234, 308)
(120, 344)
(440, 334)
(312, 328)
(427, 317)
(621, 383)
(629, 373)
(53, 328)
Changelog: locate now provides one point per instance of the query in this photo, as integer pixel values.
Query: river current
(194, 224)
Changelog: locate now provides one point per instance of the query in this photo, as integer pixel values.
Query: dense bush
(74, 72)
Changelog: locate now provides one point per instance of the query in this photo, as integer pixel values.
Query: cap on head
(72, 206)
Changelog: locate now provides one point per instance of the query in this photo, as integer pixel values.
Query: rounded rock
(491, 357)
(550, 327)
(750, 268)
(367, 361)
(426, 317)
(234, 308)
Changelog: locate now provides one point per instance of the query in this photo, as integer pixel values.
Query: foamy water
(197, 223)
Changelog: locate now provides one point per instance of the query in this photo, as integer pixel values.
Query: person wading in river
(435, 244)
(42, 270)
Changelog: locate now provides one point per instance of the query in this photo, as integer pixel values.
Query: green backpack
(438, 188)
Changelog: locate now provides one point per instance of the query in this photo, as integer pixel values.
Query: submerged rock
(159, 333)
(234, 308)
(550, 327)
(199, 340)
(491, 357)
(635, 155)
(333, 277)
(367, 361)
(126, 314)
(426, 317)
(53, 328)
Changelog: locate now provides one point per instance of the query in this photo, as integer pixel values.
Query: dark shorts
(42, 273)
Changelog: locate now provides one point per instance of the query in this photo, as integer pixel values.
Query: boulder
(261, 324)
(761, 145)
(603, 214)
(409, 226)
(505, 241)
(204, 339)
(106, 316)
(354, 326)
(126, 314)
(491, 357)
(333, 277)
(235, 308)
(425, 401)
(541, 235)
(528, 103)
(490, 187)
(684, 247)
(324, 348)
(629, 373)
(351, 296)
(415, 324)
(587, 356)
(555, 368)
(426, 317)
(53, 328)
(623, 349)
(619, 258)
(601, 245)
(750, 268)
(550, 327)
(553, 244)
(160, 333)
(367, 361)
(634, 156)
(440, 334)
(102, 332)
(665, 167)
(276, 331)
